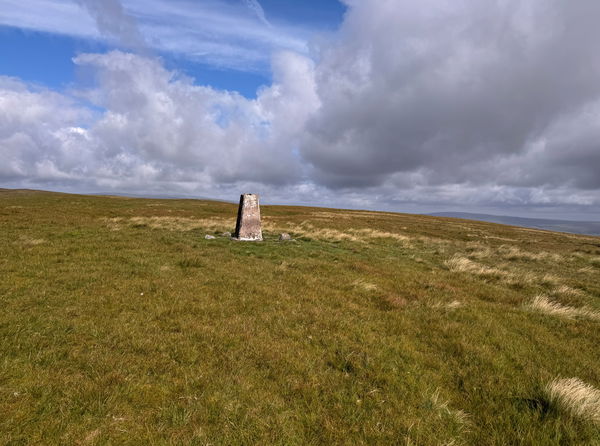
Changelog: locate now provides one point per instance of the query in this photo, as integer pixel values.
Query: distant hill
(575, 227)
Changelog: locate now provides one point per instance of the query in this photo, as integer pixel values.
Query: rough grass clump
(461, 264)
(511, 252)
(505, 273)
(364, 285)
(308, 230)
(575, 397)
(442, 407)
(544, 305)
(566, 290)
(26, 241)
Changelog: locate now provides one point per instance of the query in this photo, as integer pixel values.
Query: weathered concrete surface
(248, 227)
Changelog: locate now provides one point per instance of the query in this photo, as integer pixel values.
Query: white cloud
(438, 104)
(157, 127)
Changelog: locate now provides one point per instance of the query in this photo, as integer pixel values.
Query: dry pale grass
(331, 215)
(453, 305)
(171, 223)
(91, 437)
(459, 263)
(370, 214)
(586, 270)
(544, 305)
(306, 229)
(364, 285)
(505, 239)
(442, 407)
(549, 279)
(479, 250)
(509, 252)
(303, 229)
(576, 397)
(373, 233)
(28, 241)
(539, 231)
(566, 290)
(183, 223)
(395, 301)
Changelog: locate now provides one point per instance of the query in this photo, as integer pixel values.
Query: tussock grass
(454, 304)
(26, 241)
(542, 304)
(566, 290)
(359, 235)
(511, 252)
(373, 234)
(442, 407)
(477, 250)
(507, 273)
(586, 270)
(460, 264)
(364, 285)
(463, 265)
(575, 397)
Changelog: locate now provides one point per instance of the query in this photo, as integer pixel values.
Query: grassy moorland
(120, 324)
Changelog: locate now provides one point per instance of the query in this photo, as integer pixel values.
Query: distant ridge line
(569, 226)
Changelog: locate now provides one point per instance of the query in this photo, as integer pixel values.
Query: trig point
(247, 227)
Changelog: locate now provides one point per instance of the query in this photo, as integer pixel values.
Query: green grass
(121, 324)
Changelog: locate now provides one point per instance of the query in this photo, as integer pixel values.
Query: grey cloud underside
(466, 103)
(460, 93)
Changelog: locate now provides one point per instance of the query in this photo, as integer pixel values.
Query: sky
(488, 106)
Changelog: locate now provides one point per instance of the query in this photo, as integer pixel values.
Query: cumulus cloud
(460, 104)
(163, 117)
(156, 127)
(37, 129)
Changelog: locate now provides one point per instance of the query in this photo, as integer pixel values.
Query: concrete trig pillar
(247, 227)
